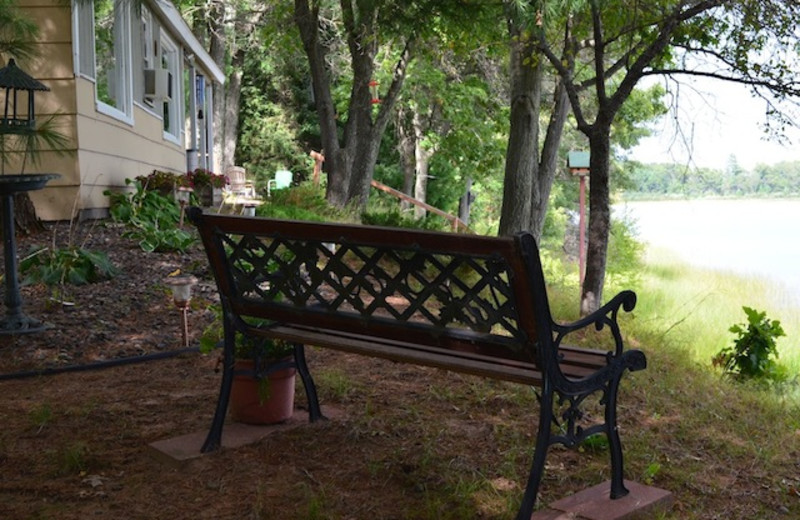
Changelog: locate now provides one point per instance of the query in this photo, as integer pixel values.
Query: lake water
(750, 237)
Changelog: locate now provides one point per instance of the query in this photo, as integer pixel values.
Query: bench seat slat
(576, 363)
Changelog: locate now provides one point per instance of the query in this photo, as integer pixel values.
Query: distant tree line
(663, 180)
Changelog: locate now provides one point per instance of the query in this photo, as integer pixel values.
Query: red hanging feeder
(373, 87)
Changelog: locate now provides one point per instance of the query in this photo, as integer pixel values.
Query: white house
(131, 87)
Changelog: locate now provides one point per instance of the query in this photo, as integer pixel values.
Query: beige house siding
(104, 151)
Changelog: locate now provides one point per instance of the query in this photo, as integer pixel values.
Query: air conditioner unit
(157, 84)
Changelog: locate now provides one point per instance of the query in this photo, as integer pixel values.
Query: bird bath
(15, 321)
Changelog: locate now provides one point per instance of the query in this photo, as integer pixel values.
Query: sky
(720, 120)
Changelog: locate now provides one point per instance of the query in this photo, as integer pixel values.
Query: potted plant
(264, 376)
(207, 186)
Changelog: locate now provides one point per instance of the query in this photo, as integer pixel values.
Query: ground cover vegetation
(696, 304)
(434, 445)
(151, 217)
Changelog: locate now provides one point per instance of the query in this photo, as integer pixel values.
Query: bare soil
(411, 442)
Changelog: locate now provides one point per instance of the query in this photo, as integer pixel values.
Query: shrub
(751, 355)
(152, 217)
(73, 265)
(59, 267)
(202, 178)
(162, 182)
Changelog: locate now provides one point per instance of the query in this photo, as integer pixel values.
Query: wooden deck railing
(456, 223)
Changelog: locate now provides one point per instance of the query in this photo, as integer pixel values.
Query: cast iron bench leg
(314, 411)
(618, 489)
(214, 439)
(540, 453)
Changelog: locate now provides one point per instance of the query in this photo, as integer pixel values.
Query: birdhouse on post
(18, 118)
(578, 163)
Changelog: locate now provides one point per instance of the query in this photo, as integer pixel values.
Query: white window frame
(149, 53)
(123, 68)
(83, 39)
(148, 40)
(171, 58)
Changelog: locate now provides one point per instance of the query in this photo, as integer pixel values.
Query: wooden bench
(465, 303)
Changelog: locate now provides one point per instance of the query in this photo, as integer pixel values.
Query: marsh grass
(695, 307)
(685, 427)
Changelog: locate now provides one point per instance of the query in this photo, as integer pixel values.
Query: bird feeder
(578, 164)
(18, 117)
(373, 88)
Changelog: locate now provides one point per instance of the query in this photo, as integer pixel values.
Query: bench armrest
(604, 316)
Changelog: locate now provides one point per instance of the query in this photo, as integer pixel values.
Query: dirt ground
(410, 442)
(75, 444)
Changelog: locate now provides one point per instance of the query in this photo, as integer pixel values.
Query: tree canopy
(445, 91)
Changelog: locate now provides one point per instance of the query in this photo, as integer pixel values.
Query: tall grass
(697, 306)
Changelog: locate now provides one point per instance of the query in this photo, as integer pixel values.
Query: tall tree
(229, 31)
(529, 170)
(613, 45)
(350, 160)
(17, 33)
(450, 109)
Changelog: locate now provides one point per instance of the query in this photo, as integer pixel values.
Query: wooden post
(578, 164)
(318, 160)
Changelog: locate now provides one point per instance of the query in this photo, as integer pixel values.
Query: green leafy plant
(59, 267)
(69, 265)
(247, 347)
(651, 472)
(751, 356)
(41, 416)
(201, 178)
(152, 217)
(262, 351)
(162, 182)
(74, 458)
(152, 238)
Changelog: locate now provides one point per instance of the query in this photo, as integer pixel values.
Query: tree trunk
(599, 218)
(522, 154)
(337, 162)
(232, 107)
(217, 48)
(26, 222)
(365, 155)
(422, 160)
(405, 148)
(542, 185)
(351, 164)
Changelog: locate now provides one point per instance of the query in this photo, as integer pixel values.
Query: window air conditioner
(157, 84)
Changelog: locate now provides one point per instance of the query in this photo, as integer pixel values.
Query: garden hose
(97, 365)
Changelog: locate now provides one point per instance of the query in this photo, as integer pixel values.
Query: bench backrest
(461, 292)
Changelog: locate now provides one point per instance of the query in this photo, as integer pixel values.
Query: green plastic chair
(283, 179)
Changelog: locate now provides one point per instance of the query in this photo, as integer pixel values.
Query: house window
(149, 45)
(83, 36)
(170, 62)
(112, 58)
(146, 54)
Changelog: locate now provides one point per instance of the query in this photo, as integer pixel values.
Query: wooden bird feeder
(17, 117)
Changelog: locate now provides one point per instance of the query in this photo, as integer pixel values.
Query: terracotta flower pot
(247, 405)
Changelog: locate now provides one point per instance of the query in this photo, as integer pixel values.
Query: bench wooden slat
(576, 363)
